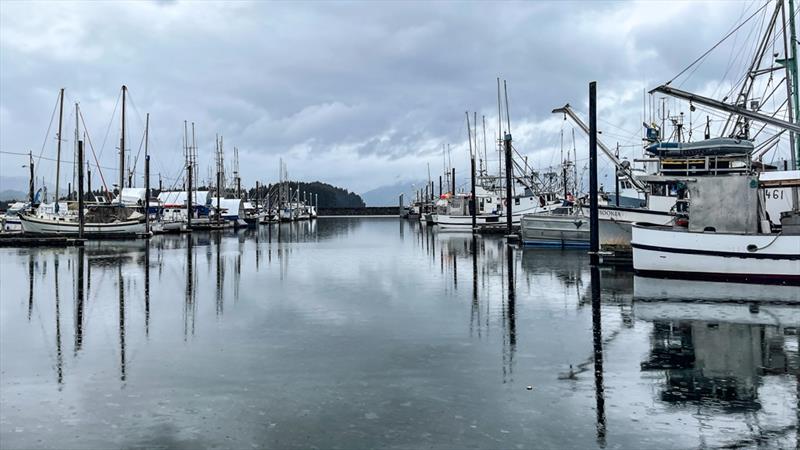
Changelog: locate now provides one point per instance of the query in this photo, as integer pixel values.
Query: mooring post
(89, 182)
(147, 194)
(189, 195)
(218, 215)
(509, 177)
(473, 201)
(80, 189)
(31, 183)
(594, 232)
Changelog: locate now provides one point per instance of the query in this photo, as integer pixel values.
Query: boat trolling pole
(594, 232)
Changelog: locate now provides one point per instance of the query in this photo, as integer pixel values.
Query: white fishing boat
(680, 253)
(724, 232)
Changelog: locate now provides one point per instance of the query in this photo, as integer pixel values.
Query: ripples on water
(365, 333)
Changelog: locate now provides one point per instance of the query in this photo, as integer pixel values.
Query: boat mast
(122, 146)
(58, 143)
(792, 65)
(77, 137)
(499, 133)
(485, 165)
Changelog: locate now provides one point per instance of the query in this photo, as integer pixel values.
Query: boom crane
(567, 111)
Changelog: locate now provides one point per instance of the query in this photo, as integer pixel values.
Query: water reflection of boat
(714, 352)
(684, 290)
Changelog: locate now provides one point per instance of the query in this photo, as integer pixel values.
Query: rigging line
(731, 57)
(138, 152)
(740, 59)
(94, 155)
(718, 43)
(47, 135)
(111, 121)
(756, 43)
(141, 123)
(67, 162)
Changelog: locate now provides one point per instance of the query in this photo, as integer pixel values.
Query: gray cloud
(355, 93)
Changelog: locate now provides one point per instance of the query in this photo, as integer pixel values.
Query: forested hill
(329, 196)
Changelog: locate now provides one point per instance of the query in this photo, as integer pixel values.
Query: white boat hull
(12, 224)
(37, 225)
(615, 224)
(677, 253)
(465, 222)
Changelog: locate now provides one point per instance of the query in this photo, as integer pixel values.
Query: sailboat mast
(58, 143)
(122, 145)
(499, 133)
(485, 158)
(75, 148)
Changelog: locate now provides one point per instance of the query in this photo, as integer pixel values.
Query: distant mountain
(13, 183)
(11, 194)
(328, 196)
(389, 195)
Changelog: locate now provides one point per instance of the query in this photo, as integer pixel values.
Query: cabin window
(516, 201)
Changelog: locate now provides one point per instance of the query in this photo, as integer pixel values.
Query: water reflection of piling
(476, 310)
(147, 288)
(79, 300)
(455, 271)
(510, 319)
(219, 299)
(188, 304)
(59, 355)
(30, 285)
(121, 286)
(597, 335)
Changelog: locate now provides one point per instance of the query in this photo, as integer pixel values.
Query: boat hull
(36, 225)
(615, 224)
(676, 253)
(444, 221)
(12, 224)
(573, 230)
(544, 230)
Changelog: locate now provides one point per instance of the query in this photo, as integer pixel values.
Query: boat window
(516, 201)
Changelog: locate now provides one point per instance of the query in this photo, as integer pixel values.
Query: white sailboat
(100, 219)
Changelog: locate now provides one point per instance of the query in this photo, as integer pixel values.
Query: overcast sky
(358, 94)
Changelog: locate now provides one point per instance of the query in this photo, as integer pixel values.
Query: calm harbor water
(379, 333)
